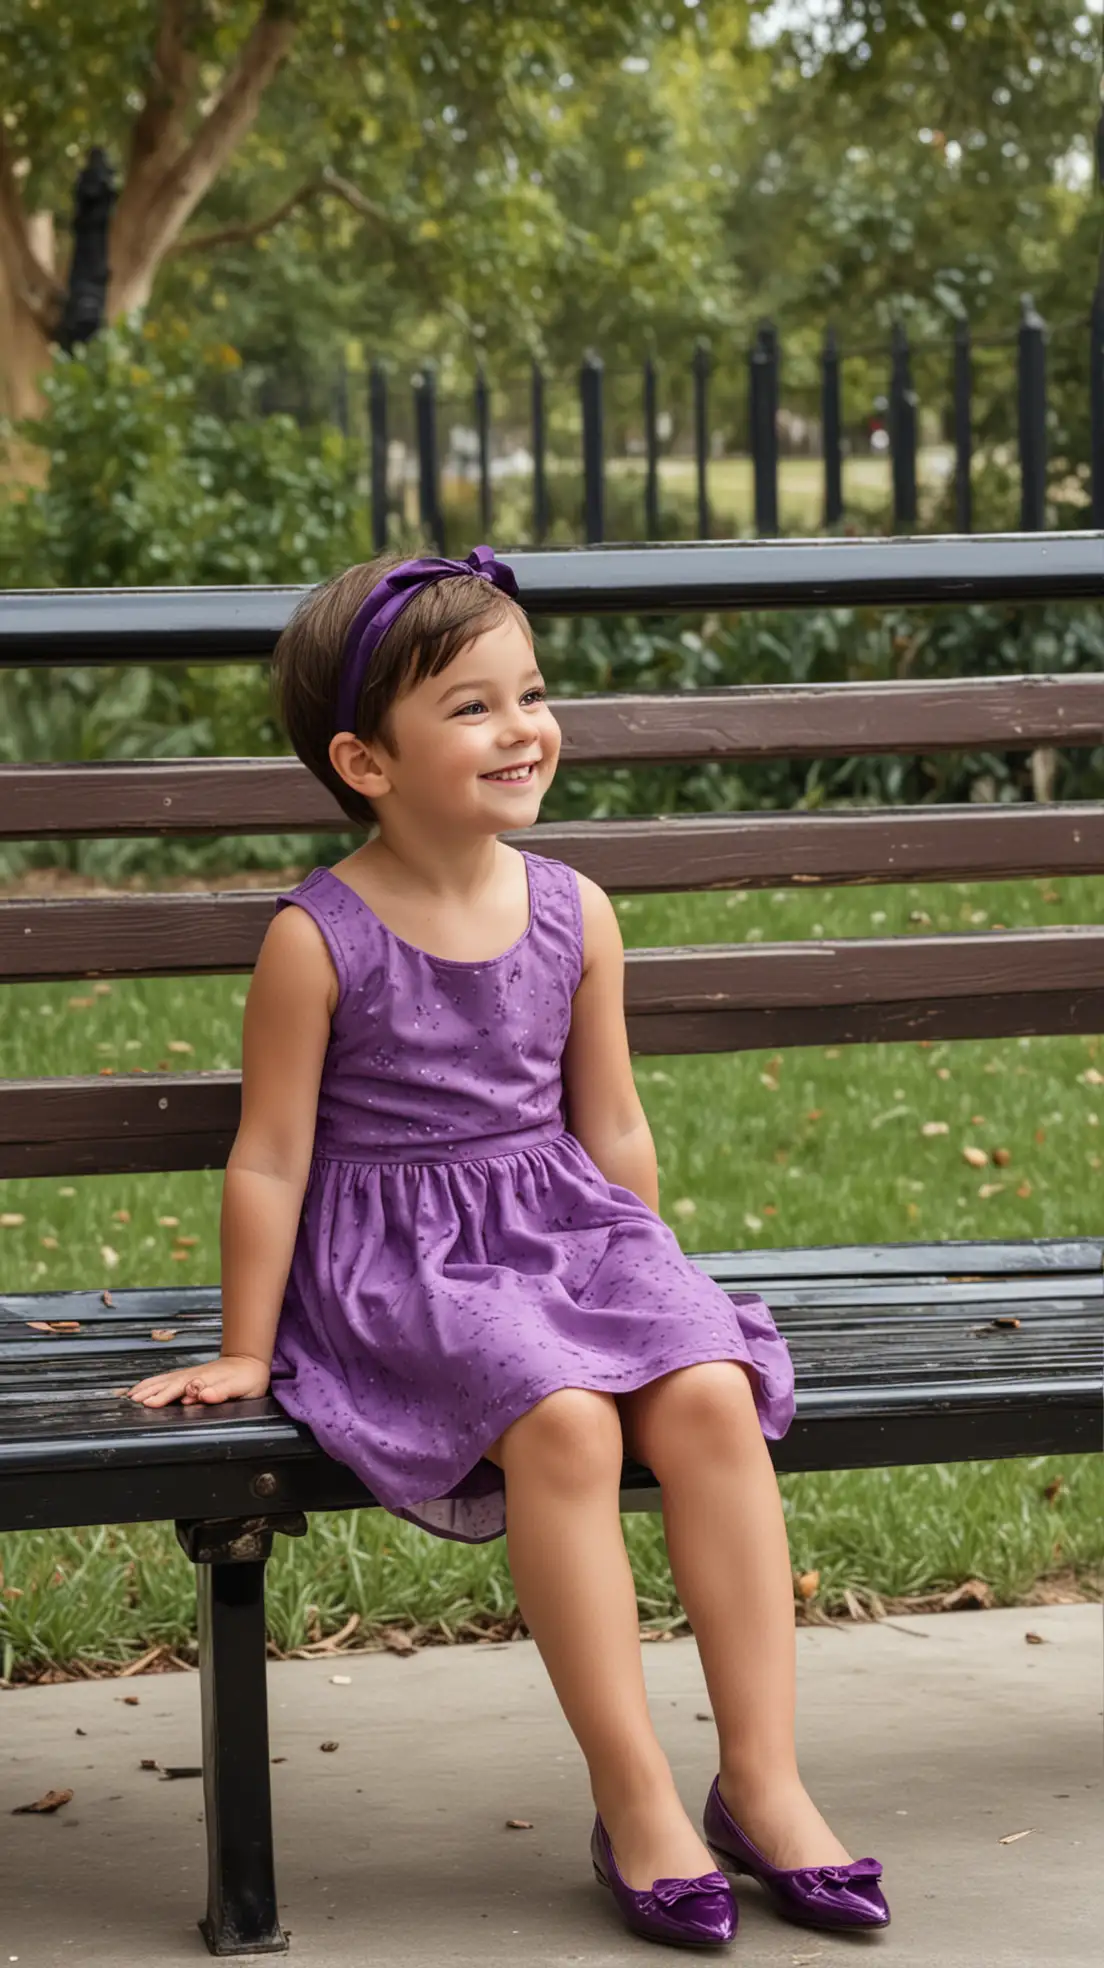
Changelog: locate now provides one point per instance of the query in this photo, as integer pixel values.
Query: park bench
(904, 1353)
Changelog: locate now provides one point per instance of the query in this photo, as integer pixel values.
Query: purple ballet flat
(814, 1896)
(683, 1912)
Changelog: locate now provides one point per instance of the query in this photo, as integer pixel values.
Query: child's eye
(477, 704)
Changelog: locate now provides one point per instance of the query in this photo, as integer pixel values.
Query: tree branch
(247, 229)
(173, 68)
(31, 284)
(234, 110)
(170, 186)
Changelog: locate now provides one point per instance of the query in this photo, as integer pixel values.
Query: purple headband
(385, 603)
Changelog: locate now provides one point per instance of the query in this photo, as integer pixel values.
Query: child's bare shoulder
(294, 967)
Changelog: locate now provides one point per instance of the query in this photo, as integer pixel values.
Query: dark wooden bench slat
(204, 796)
(952, 1259)
(677, 854)
(206, 935)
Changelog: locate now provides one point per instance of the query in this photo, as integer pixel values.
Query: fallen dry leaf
(974, 1595)
(1024, 1191)
(51, 1801)
(397, 1641)
(169, 1222)
(1034, 1639)
(976, 1157)
(163, 1332)
(935, 1127)
(1091, 1077)
(703, 1715)
(11, 1220)
(1053, 1490)
(186, 1240)
(1002, 1157)
(988, 1189)
(106, 1298)
(1040, 1137)
(807, 1583)
(942, 1072)
(130, 1700)
(330, 1745)
(1014, 1835)
(342, 1680)
(519, 1824)
(180, 1045)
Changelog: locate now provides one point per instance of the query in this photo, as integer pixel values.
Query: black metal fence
(922, 435)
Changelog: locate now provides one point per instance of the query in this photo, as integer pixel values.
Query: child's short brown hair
(440, 621)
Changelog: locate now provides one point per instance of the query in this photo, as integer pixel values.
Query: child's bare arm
(285, 1031)
(604, 1110)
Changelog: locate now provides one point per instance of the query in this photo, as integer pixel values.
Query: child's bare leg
(562, 1463)
(697, 1430)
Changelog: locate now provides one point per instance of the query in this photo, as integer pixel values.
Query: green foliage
(143, 487)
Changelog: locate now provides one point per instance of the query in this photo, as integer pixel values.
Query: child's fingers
(160, 1389)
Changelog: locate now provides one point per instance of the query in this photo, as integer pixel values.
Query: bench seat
(903, 1353)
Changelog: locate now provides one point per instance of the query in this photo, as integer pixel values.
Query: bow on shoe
(669, 1891)
(813, 1879)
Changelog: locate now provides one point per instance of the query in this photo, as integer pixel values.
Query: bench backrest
(720, 998)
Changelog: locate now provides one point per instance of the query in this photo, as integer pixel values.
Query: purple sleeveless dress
(459, 1255)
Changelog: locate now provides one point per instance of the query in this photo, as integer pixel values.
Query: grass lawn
(803, 1147)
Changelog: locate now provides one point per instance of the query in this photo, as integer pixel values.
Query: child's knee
(574, 1436)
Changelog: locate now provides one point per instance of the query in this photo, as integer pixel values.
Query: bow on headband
(385, 603)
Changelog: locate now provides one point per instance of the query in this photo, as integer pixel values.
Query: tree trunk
(27, 353)
(168, 174)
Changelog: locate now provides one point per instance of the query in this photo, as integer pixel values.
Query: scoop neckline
(451, 963)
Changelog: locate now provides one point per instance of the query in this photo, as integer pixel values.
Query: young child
(441, 1242)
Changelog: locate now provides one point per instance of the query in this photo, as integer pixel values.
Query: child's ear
(362, 766)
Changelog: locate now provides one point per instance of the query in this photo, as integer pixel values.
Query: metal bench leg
(230, 1557)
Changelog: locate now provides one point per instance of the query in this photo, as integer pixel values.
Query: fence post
(763, 365)
(701, 366)
(963, 432)
(429, 485)
(377, 424)
(94, 197)
(1032, 418)
(590, 389)
(540, 480)
(341, 396)
(902, 431)
(483, 427)
(651, 454)
(1096, 401)
(830, 418)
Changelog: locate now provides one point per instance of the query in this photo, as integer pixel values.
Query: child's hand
(232, 1377)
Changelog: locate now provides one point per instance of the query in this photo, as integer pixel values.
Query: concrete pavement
(926, 1741)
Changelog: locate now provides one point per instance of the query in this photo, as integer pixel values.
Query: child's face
(484, 714)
